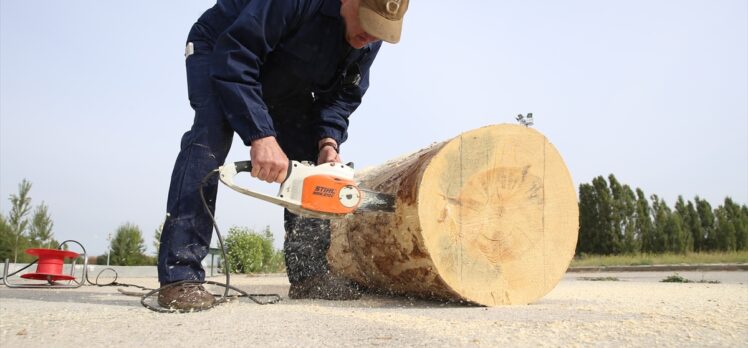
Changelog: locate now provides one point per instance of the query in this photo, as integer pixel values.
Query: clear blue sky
(93, 99)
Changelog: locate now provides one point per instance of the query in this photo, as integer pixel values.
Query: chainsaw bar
(376, 201)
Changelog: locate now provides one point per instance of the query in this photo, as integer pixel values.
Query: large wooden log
(488, 217)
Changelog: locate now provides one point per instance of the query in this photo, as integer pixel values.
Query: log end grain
(499, 215)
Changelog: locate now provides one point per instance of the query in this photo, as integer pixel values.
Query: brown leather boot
(184, 297)
(325, 287)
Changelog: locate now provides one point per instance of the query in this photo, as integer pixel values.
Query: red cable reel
(50, 264)
(49, 268)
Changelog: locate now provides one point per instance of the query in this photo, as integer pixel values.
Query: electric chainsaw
(324, 191)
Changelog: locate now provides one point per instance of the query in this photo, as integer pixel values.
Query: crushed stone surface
(632, 311)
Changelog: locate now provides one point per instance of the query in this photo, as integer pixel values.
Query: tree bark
(489, 217)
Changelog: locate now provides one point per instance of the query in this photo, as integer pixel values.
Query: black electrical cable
(227, 270)
(18, 271)
(225, 297)
(96, 281)
(114, 281)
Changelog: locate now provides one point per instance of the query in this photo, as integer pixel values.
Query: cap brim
(380, 27)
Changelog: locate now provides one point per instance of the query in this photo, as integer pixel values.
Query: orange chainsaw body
(329, 194)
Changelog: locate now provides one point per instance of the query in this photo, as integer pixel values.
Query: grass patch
(660, 259)
(600, 279)
(677, 278)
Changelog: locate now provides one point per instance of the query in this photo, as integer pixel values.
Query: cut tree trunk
(489, 217)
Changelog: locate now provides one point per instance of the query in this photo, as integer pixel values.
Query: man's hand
(328, 153)
(269, 162)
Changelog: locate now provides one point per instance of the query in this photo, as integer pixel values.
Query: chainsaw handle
(243, 166)
(246, 166)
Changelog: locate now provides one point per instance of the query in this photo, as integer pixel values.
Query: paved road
(635, 310)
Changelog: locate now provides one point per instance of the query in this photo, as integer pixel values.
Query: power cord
(18, 271)
(274, 298)
(225, 297)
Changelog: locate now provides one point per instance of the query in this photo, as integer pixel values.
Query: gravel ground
(636, 310)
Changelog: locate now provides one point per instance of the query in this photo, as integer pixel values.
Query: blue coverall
(261, 68)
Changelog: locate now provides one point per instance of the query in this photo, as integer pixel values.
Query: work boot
(325, 287)
(187, 296)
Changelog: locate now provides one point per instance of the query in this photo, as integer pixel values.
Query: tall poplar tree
(725, 230)
(617, 214)
(624, 209)
(40, 229)
(685, 235)
(587, 219)
(740, 225)
(609, 241)
(17, 219)
(706, 217)
(643, 222)
(728, 225)
(675, 236)
(694, 226)
(6, 238)
(660, 217)
(157, 239)
(742, 236)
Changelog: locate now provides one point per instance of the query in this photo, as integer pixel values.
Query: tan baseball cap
(383, 18)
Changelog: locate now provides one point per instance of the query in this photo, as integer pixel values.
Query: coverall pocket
(199, 87)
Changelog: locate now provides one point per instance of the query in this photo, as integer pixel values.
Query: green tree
(675, 236)
(609, 239)
(40, 229)
(738, 222)
(268, 251)
(729, 229)
(244, 250)
(128, 247)
(277, 262)
(661, 216)
(725, 230)
(17, 219)
(6, 239)
(706, 217)
(251, 252)
(694, 227)
(101, 259)
(587, 219)
(617, 214)
(685, 233)
(624, 211)
(742, 232)
(157, 239)
(643, 222)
